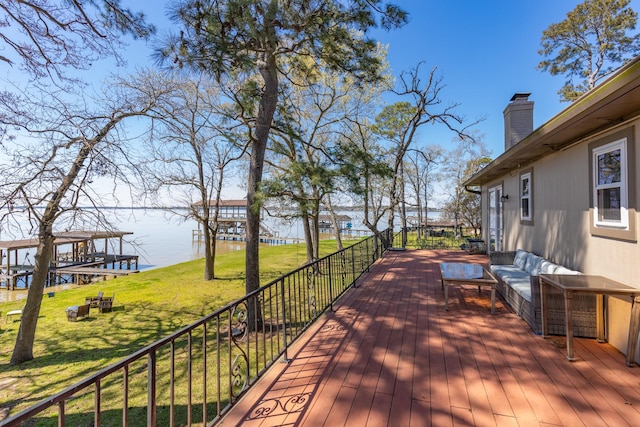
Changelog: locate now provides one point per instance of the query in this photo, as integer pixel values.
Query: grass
(147, 306)
(445, 240)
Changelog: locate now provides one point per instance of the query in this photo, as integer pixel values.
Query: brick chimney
(518, 119)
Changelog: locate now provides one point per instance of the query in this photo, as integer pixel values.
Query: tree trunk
(308, 238)
(315, 228)
(266, 110)
(421, 219)
(23, 350)
(393, 204)
(334, 221)
(403, 207)
(209, 249)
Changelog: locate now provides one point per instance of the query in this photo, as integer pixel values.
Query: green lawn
(147, 306)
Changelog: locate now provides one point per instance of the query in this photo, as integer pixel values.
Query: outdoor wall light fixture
(504, 198)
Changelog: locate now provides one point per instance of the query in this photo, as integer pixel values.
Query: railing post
(353, 266)
(204, 372)
(189, 377)
(61, 418)
(330, 261)
(284, 323)
(97, 403)
(368, 261)
(125, 395)
(151, 389)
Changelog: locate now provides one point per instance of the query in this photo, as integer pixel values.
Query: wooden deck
(390, 355)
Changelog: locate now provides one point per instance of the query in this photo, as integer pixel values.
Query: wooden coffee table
(467, 274)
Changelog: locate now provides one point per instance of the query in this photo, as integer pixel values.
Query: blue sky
(485, 51)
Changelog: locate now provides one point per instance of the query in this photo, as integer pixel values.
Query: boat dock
(78, 256)
(197, 235)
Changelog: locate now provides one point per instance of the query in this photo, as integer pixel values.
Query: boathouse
(325, 223)
(232, 221)
(232, 217)
(78, 256)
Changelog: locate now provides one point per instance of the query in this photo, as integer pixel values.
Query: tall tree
(58, 152)
(192, 153)
(465, 160)
(589, 44)
(53, 147)
(399, 123)
(470, 207)
(249, 39)
(365, 170)
(312, 112)
(421, 177)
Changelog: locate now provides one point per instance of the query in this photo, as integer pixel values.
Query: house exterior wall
(560, 226)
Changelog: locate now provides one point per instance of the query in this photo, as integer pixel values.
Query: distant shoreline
(170, 208)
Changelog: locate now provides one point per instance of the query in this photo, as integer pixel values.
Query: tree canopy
(589, 44)
(52, 142)
(43, 37)
(252, 40)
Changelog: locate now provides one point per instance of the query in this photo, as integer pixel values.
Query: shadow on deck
(390, 355)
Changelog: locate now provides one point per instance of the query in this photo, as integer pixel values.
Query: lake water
(161, 239)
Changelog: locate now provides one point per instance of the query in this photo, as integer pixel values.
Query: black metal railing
(195, 375)
(431, 237)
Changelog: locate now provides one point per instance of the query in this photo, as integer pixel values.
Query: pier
(232, 219)
(78, 256)
(197, 235)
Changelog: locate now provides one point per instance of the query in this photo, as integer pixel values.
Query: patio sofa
(518, 283)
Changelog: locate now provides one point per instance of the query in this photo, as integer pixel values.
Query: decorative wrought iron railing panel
(196, 374)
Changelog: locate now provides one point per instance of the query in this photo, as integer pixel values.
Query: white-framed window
(495, 218)
(525, 197)
(610, 185)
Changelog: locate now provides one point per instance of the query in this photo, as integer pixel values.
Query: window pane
(609, 205)
(525, 186)
(609, 167)
(525, 208)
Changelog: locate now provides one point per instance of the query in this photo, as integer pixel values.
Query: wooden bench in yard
(75, 313)
(106, 304)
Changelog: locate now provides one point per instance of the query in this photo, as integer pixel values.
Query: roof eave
(599, 109)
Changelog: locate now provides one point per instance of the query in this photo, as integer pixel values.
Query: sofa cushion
(515, 278)
(533, 264)
(505, 270)
(565, 270)
(547, 267)
(520, 259)
(523, 287)
(508, 271)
